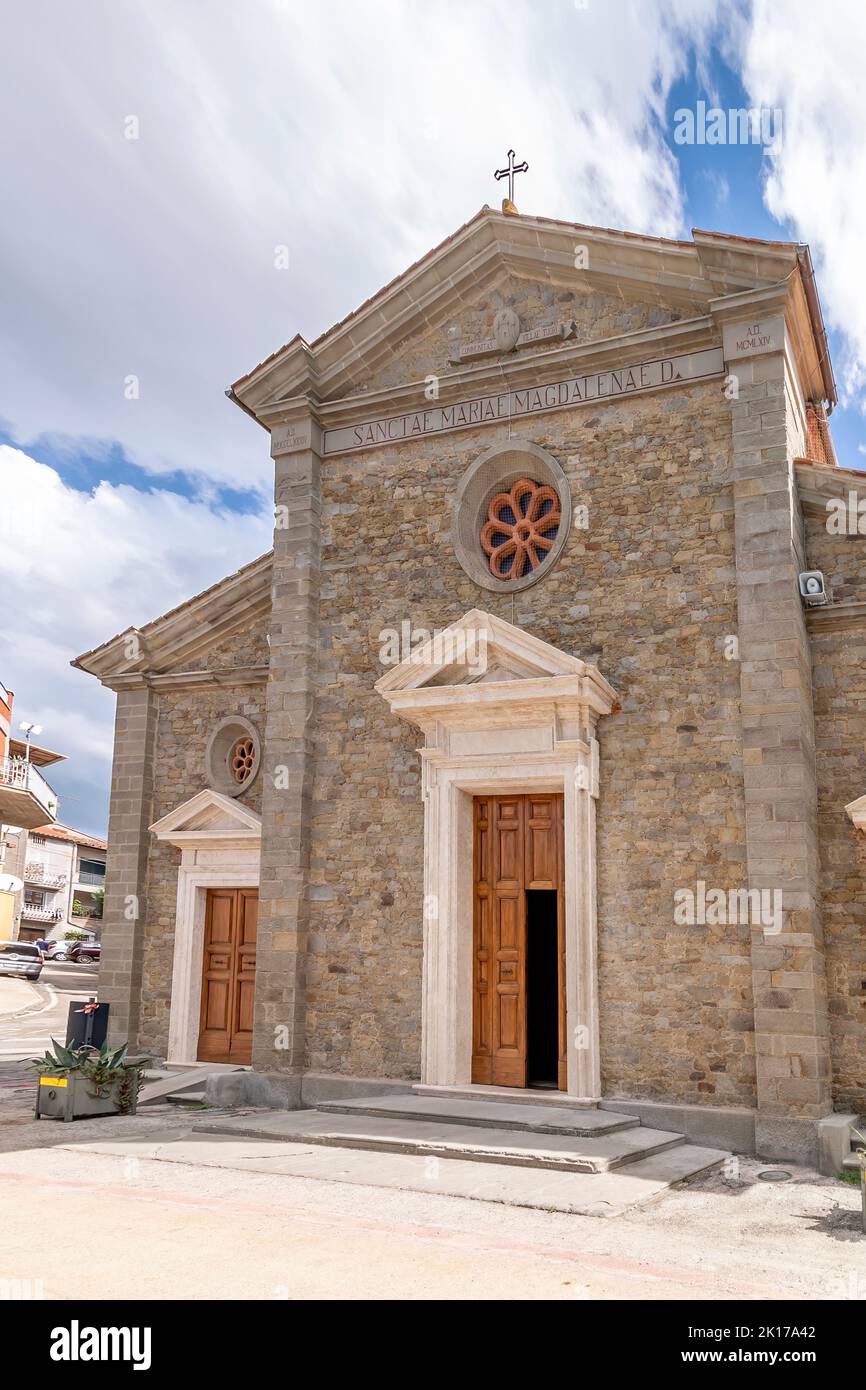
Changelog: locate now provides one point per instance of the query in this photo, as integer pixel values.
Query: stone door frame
(193, 882)
(220, 843)
(446, 1011)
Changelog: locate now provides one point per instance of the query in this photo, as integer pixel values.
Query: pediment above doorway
(857, 811)
(209, 817)
(484, 669)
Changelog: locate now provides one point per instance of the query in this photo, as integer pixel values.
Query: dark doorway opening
(542, 988)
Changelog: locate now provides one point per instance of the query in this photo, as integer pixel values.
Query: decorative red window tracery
(520, 529)
(241, 759)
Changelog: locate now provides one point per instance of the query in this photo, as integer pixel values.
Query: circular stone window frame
(223, 739)
(496, 471)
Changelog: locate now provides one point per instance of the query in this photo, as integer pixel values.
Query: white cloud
(77, 568)
(356, 132)
(817, 175)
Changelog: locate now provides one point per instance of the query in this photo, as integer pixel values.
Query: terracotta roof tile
(65, 832)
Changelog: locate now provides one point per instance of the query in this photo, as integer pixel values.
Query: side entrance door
(228, 975)
(518, 1000)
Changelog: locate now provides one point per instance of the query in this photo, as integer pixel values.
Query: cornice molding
(820, 483)
(503, 374)
(188, 680)
(166, 646)
(836, 617)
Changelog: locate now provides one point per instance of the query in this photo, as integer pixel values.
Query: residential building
(63, 873)
(26, 800)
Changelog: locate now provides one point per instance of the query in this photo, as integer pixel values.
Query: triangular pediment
(208, 816)
(479, 648)
(681, 278)
(183, 637)
(487, 671)
(857, 811)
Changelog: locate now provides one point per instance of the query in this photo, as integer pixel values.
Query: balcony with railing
(31, 913)
(39, 875)
(25, 797)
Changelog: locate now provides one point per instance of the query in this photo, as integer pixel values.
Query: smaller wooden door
(228, 975)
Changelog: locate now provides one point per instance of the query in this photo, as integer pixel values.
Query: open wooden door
(517, 847)
(545, 870)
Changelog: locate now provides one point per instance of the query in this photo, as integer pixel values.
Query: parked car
(20, 958)
(57, 950)
(83, 952)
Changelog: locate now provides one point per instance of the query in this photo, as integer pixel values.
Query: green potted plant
(90, 1081)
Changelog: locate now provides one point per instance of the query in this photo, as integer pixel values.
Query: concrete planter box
(70, 1098)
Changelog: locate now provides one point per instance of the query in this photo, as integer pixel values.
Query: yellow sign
(7, 915)
(53, 1081)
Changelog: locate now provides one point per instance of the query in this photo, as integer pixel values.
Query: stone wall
(648, 594)
(840, 730)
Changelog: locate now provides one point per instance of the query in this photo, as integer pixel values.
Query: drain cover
(774, 1175)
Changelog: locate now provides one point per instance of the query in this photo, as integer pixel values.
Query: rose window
(521, 527)
(242, 758)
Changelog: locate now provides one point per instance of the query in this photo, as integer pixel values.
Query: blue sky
(271, 129)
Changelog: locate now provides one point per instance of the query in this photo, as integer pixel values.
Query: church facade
(529, 756)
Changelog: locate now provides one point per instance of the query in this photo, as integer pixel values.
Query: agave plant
(103, 1067)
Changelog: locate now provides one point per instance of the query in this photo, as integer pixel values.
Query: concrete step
(186, 1097)
(488, 1114)
(176, 1081)
(577, 1194)
(480, 1144)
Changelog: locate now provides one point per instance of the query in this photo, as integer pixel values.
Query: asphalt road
(32, 1012)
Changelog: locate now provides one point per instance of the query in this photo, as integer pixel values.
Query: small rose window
(233, 755)
(242, 759)
(521, 527)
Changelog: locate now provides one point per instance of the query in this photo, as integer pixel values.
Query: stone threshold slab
(572, 1153)
(515, 1095)
(601, 1195)
(541, 1119)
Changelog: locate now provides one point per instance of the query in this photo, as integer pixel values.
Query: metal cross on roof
(509, 171)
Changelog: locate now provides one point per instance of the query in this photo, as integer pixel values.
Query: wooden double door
(519, 941)
(228, 975)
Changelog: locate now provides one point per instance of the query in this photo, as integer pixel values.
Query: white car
(20, 958)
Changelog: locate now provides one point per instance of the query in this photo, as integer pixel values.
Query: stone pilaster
(789, 983)
(279, 1032)
(125, 907)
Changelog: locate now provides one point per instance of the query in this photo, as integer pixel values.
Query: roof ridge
(179, 607)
